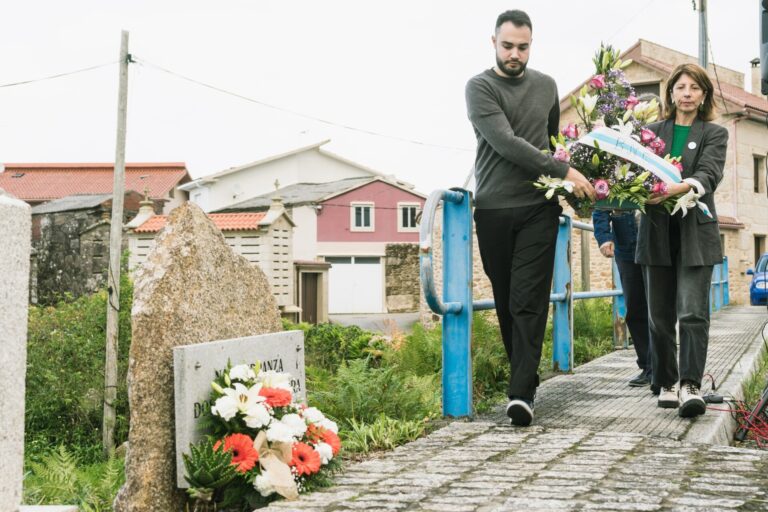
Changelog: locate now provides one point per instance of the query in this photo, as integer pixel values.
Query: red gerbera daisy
(305, 459)
(276, 397)
(330, 437)
(244, 455)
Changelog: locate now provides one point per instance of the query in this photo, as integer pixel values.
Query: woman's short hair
(699, 75)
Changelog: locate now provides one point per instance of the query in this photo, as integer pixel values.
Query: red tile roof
(44, 182)
(223, 221)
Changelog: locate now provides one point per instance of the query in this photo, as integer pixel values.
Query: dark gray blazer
(699, 234)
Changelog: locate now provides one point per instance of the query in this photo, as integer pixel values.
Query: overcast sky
(397, 68)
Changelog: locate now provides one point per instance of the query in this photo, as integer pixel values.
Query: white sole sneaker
(520, 413)
(669, 398)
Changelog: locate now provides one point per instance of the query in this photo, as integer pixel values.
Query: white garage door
(355, 284)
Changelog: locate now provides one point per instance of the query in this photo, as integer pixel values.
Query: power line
(638, 12)
(148, 64)
(51, 77)
(717, 78)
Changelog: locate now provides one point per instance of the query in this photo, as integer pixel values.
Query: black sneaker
(640, 381)
(520, 411)
(655, 390)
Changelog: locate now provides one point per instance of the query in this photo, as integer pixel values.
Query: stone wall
(72, 252)
(402, 277)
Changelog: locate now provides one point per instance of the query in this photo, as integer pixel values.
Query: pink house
(353, 224)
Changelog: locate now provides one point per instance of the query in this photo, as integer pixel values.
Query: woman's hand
(673, 189)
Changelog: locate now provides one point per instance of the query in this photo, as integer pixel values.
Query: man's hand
(581, 185)
(607, 249)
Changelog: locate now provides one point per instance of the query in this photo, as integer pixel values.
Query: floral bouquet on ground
(260, 443)
(618, 154)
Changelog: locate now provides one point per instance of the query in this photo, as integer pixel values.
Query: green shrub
(60, 477)
(384, 433)
(65, 374)
(359, 392)
(593, 318)
(327, 345)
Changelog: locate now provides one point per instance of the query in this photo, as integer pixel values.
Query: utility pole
(703, 33)
(115, 245)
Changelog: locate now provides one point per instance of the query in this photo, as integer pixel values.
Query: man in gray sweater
(514, 110)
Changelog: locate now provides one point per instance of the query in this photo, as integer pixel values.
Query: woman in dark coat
(678, 252)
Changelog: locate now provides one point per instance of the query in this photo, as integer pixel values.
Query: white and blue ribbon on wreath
(624, 146)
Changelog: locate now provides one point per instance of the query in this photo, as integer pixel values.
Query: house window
(759, 247)
(362, 217)
(406, 216)
(759, 174)
(652, 88)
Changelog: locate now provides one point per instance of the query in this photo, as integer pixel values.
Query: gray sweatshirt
(513, 119)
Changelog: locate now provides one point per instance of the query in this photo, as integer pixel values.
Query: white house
(307, 164)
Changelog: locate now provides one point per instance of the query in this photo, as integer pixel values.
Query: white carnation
(242, 372)
(296, 424)
(273, 379)
(313, 415)
(330, 425)
(325, 451)
(257, 416)
(263, 484)
(279, 432)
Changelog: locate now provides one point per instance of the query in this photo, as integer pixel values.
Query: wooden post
(585, 241)
(115, 245)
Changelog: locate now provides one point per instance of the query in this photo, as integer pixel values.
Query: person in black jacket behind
(616, 235)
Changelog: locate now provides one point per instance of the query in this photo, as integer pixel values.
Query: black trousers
(517, 247)
(678, 293)
(631, 275)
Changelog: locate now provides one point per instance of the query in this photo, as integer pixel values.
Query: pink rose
(571, 131)
(597, 82)
(601, 189)
(659, 188)
(646, 136)
(562, 154)
(657, 145)
(631, 102)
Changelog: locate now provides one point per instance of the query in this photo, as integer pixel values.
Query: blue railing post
(457, 287)
(562, 319)
(717, 278)
(619, 311)
(726, 282)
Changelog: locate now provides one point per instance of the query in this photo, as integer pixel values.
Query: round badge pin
(691, 145)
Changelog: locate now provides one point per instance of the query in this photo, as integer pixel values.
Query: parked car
(758, 288)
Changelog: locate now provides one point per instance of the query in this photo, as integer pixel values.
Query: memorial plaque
(195, 367)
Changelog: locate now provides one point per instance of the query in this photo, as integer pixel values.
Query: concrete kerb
(720, 427)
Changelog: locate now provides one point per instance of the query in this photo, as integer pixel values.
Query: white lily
(273, 379)
(688, 201)
(588, 101)
(624, 129)
(237, 399)
(553, 185)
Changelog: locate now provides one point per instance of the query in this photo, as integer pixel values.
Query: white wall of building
(305, 233)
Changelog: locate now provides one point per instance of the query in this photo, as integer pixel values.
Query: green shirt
(679, 138)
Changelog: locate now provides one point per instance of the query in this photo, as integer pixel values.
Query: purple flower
(571, 131)
(601, 189)
(597, 82)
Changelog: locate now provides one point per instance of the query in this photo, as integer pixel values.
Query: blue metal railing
(457, 294)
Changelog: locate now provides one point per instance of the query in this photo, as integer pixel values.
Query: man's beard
(513, 72)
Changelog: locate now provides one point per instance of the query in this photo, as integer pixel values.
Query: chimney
(756, 76)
